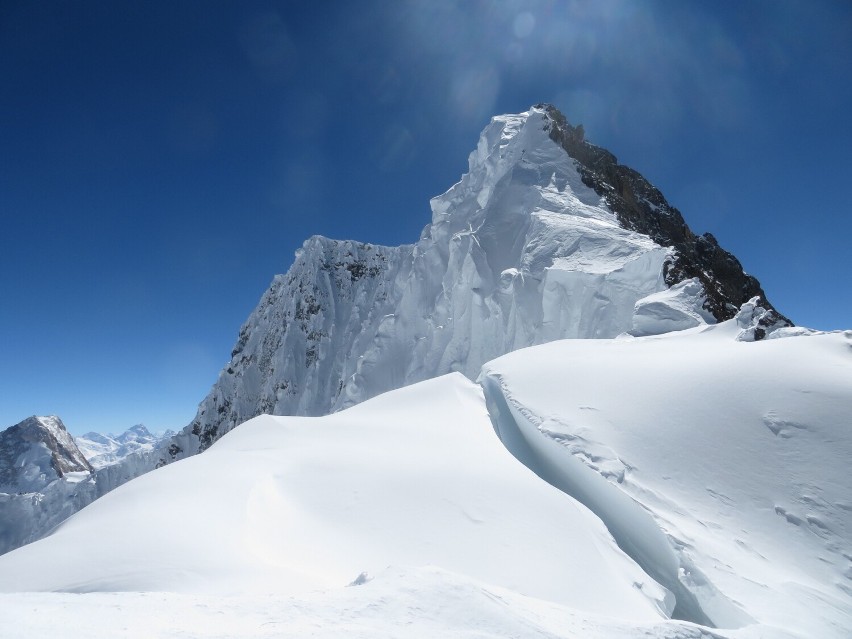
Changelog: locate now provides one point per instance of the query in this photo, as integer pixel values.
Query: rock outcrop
(641, 207)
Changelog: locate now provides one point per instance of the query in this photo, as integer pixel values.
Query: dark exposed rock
(641, 207)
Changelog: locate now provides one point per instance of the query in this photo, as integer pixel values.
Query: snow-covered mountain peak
(518, 150)
(139, 431)
(36, 452)
(105, 450)
(640, 206)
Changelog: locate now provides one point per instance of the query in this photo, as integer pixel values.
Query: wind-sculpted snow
(407, 516)
(399, 602)
(289, 505)
(674, 309)
(736, 451)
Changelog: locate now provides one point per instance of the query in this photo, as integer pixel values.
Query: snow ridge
(731, 511)
(734, 451)
(633, 528)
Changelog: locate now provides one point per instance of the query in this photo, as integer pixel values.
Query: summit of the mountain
(105, 450)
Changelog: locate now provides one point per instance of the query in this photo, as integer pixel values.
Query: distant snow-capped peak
(105, 450)
(36, 452)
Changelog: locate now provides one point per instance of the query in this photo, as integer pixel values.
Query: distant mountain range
(46, 475)
(105, 450)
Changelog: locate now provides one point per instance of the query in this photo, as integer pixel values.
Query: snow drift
(720, 465)
(712, 470)
(288, 505)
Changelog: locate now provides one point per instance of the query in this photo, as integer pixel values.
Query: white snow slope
(719, 466)
(737, 454)
(287, 506)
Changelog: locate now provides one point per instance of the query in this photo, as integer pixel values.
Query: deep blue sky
(161, 161)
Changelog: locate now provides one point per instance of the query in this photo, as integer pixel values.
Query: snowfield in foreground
(424, 603)
(288, 505)
(720, 467)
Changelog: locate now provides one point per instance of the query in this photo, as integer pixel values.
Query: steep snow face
(302, 342)
(104, 450)
(519, 252)
(532, 254)
(719, 464)
(289, 505)
(673, 309)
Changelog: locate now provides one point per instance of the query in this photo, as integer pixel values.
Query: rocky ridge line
(642, 208)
